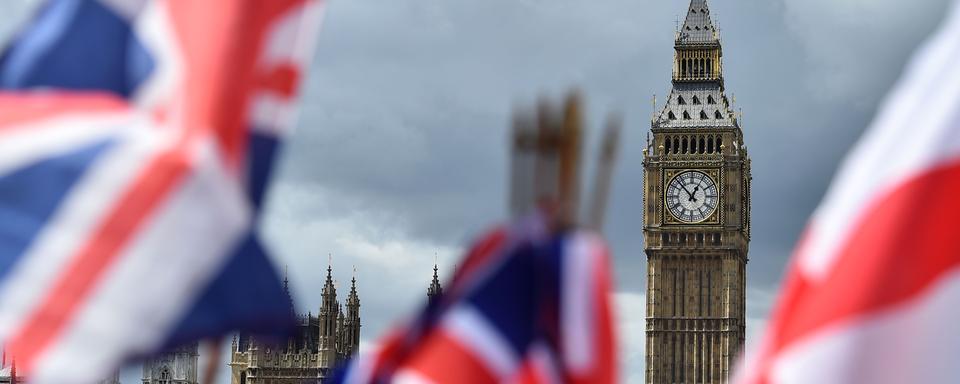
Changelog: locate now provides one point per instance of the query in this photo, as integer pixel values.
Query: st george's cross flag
(136, 140)
(872, 294)
(527, 306)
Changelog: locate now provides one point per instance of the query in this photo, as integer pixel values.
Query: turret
(352, 321)
(435, 290)
(329, 312)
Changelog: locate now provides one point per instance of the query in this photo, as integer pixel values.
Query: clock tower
(696, 217)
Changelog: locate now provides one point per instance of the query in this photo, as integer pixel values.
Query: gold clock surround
(716, 217)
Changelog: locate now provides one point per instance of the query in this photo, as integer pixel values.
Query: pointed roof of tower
(435, 289)
(328, 286)
(286, 289)
(353, 299)
(697, 102)
(696, 105)
(698, 28)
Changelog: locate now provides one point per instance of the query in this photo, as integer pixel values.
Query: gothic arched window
(703, 115)
(701, 147)
(686, 116)
(696, 100)
(681, 101)
(718, 115)
(671, 116)
(710, 100)
(676, 145)
(165, 377)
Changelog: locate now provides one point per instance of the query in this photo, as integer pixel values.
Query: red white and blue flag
(873, 290)
(136, 140)
(526, 306)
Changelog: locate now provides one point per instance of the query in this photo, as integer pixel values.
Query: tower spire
(435, 290)
(329, 288)
(329, 318)
(329, 268)
(352, 321)
(697, 98)
(286, 289)
(698, 27)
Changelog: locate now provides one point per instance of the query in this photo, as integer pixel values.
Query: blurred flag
(528, 305)
(873, 290)
(136, 138)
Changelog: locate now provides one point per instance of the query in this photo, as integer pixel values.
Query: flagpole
(601, 185)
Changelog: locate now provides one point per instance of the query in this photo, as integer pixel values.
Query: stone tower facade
(178, 366)
(319, 344)
(697, 217)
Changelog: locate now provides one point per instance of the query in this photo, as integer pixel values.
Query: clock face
(692, 196)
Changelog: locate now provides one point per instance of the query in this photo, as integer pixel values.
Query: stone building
(319, 344)
(177, 366)
(696, 217)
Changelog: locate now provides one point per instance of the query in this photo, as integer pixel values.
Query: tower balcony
(681, 77)
(659, 238)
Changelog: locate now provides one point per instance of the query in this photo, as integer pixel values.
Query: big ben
(696, 217)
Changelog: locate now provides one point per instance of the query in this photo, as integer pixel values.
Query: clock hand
(690, 194)
(692, 198)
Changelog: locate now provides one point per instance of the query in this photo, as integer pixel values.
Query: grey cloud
(843, 38)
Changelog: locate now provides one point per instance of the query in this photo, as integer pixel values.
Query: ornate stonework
(696, 217)
(178, 366)
(321, 342)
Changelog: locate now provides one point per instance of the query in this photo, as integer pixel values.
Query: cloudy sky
(399, 156)
(400, 153)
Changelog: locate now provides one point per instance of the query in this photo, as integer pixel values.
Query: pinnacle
(698, 28)
(435, 288)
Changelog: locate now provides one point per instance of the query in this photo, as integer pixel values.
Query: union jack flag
(136, 140)
(528, 305)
